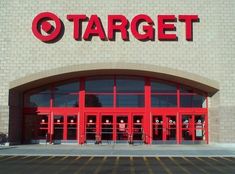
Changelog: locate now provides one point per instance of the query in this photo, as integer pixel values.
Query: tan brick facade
(210, 55)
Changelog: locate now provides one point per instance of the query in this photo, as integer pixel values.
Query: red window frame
(147, 111)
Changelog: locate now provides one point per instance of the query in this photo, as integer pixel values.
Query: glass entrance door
(58, 129)
(91, 129)
(200, 126)
(72, 127)
(107, 129)
(122, 129)
(187, 128)
(193, 128)
(137, 129)
(164, 128)
(171, 128)
(157, 129)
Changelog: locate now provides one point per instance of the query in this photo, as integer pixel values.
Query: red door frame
(65, 112)
(164, 113)
(193, 114)
(179, 113)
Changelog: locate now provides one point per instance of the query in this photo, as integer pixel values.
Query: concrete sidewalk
(216, 150)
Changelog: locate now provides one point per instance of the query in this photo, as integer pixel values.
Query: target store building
(87, 72)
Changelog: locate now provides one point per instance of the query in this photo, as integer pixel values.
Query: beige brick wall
(210, 55)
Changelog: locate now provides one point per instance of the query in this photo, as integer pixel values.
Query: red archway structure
(115, 109)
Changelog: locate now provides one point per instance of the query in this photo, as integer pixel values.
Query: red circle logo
(42, 22)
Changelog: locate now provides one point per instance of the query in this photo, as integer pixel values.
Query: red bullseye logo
(42, 22)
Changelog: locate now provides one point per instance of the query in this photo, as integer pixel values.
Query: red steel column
(81, 127)
(65, 127)
(178, 118)
(147, 122)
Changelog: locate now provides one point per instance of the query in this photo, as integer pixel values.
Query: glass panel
(187, 123)
(38, 98)
(171, 127)
(164, 100)
(122, 128)
(197, 101)
(58, 119)
(72, 119)
(58, 127)
(107, 128)
(138, 128)
(91, 127)
(65, 100)
(157, 128)
(130, 100)
(95, 85)
(199, 127)
(43, 120)
(67, 88)
(93, 100)
(72, 127)
(130, 85)
(160, 87)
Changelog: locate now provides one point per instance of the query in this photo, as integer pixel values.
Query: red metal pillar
(115, 106)
(147, 122)
(51, 117)
(178, 118)
(81, 127)
(114, 127)
(178, 128)
(130, 126)
(51, 126)
(193, 128)
(98, 125)
(65, 127)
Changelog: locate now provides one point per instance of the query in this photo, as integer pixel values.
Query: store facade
(117, 72)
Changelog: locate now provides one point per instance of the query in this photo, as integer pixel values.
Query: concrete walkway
(216, 150)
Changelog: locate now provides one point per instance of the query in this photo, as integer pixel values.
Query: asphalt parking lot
(116, 165)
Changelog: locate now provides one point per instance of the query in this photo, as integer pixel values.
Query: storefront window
(99, 85)
(193, 101)
(190, 98)
(99, 100)
(130, 85)
(163, 94)
(130, 92)
(130, 100)
(38, 98)
(99, 92)
(66, 95)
